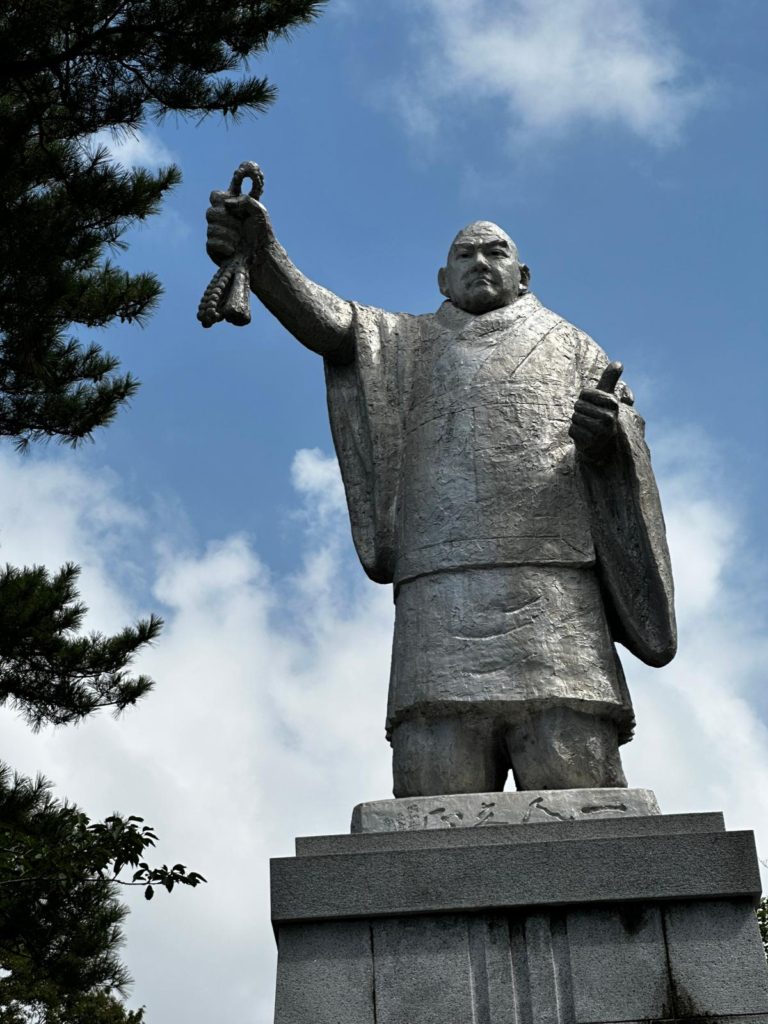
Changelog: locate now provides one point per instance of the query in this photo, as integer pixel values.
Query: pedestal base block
(470, 810)
(599, 922)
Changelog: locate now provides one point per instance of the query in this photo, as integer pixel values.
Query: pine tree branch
(47, 671)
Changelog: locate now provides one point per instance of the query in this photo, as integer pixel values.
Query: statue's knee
(436, 756)
(565, 749)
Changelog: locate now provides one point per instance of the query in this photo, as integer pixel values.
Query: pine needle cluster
(69, 72)
(49, 671)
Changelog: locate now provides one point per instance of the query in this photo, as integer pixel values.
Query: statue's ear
(525, 277)
(442, 282)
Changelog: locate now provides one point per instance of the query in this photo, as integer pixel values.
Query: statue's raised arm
(320, 320)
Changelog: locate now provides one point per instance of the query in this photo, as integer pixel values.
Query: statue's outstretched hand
(595, 417)
(236, 224)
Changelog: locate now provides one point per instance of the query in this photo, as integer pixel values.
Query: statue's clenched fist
(595, 416)
(236, 224)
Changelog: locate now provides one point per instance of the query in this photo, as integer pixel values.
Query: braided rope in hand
(226, 297)
(209, 310)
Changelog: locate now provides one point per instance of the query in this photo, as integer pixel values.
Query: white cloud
(271, 695)
(267, 721)
(145, 149)
(553, 64)
(319, 479)
(133, 148)
(701, 740)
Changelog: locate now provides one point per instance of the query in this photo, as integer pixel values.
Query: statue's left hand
(595, 417)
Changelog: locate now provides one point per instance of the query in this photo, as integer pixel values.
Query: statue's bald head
(483, 229)
(484, 271)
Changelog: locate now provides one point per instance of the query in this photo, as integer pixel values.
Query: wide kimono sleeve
(631, 544)
(366, 405)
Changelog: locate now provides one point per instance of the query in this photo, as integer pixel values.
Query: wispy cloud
(702, 737)
(133, 148)
(270, 701)
(552, 65)
(267, 721)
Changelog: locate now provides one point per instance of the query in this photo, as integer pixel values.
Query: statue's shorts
(507, 660)
(472, 752)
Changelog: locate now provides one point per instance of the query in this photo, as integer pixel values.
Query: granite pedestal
(600, 918)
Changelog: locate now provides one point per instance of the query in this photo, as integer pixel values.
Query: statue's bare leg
(564, 749)
(458, 753)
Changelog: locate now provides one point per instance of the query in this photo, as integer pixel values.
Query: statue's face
(483, 271)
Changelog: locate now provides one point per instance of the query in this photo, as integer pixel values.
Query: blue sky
(651, 240)
(623, 145)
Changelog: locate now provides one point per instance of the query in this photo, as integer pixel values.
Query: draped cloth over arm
(366, 403)
(630, 542)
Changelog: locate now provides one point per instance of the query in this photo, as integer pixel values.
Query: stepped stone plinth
(581, 912)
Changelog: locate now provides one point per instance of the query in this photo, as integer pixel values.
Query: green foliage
(69, 70)
(60, 918)
(48, 671)
(69, 73)
(762, 921)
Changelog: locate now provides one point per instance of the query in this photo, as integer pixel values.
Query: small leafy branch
(60, 915)
(120, 842)
(762, 917)
(44, 842)
(762, 921)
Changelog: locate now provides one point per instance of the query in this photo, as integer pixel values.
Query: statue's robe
(515, 562)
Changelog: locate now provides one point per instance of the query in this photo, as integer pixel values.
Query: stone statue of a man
(496, 473)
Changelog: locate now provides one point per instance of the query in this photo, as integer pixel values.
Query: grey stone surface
(500, 985)
(704, 942)
(549, 976)
(613, 927)
(619, 963)
(501, 834)
(470, 810)
(749, 1018)
(662, 867)
(423, 971)
(496, 472)
(603, 965)
(325, 974)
